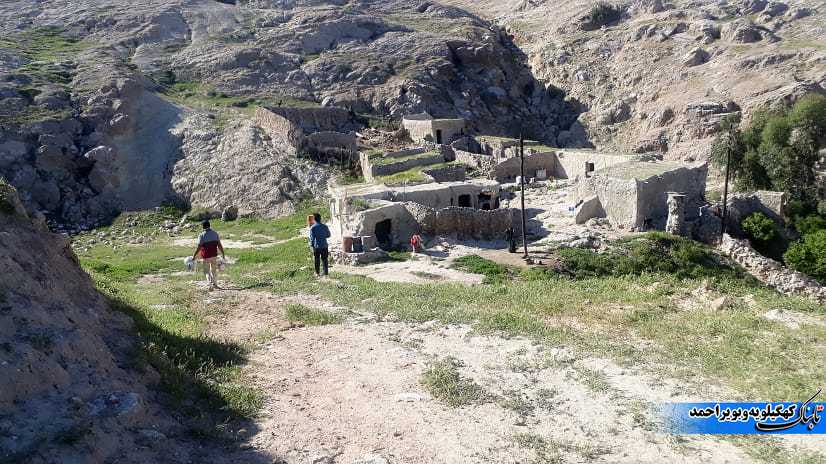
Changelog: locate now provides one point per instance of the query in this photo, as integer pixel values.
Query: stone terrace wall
(770, 272)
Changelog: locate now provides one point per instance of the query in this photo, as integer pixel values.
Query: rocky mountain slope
(69, 390)
(664, 73)
(108, 105)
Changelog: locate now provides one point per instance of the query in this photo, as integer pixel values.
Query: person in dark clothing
(510, 236)
(319, 233)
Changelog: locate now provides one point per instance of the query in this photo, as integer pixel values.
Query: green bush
(809, 255)
(654, 252)
(759, 227)
(6, 201)
(602, 14)
(810, 224)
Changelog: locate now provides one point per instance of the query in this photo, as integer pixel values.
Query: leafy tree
(809, 255)
(778, 150)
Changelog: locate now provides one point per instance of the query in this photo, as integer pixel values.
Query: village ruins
(449, 183)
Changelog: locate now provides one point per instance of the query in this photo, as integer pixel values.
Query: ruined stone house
(633, 195)
(314, 131)
(388, 216)
(423, 128)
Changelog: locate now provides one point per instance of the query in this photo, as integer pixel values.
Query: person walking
(319, 233)
(209, 243)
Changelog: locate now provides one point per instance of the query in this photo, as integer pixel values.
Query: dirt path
(351, 392)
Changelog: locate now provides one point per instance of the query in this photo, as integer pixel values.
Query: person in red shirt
(416, 243)
(209, 243)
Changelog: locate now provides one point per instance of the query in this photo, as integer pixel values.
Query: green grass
(412, 175)
(493, 272)
(601, 305)
(310, 316)
(204, 96)
(386, 160)
(443, 380)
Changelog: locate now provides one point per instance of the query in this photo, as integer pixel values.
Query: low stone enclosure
(635, 195)
(373, 166)
(423, 128)
(315, 131)
(388, 216)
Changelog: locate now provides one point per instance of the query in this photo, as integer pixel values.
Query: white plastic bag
(222, 264)
(189, 262)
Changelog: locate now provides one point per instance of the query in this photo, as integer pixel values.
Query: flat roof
(640, 170)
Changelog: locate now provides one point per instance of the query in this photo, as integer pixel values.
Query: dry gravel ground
(352, 392)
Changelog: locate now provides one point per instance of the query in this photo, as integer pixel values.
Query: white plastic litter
(189, 262)
(222, 264)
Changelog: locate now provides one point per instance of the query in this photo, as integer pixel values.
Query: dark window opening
(589, 168)
(464, 201)
(384, 234)
(439, 136)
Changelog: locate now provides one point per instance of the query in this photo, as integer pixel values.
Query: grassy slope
(606, 315)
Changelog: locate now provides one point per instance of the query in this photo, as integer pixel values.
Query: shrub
(810, 224)
(759, 227)
(654, 252)
(809, 255)
(602, 14)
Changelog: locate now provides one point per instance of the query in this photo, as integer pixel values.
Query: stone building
(424, 129)
(634, 195)
(388, 216)
(317, 131)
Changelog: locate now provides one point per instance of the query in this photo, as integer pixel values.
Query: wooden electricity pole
(522, 185)
(729, 149)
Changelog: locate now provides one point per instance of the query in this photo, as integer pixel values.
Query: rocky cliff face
(662, 74)
(65, 393)
(103, 103)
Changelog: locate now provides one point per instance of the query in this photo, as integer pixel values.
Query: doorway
(439, 136)
(589, 168)
(384, 234)
(464, 201)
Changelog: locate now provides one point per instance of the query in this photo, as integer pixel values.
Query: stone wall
(571, 164)
(325, 142)
(770, 272)
(311, 120)
(462, 223)
(451, 173)
(422, 128)
(617, 197)
(372, 170)
(743, 205)
(279, 127)
(508, 170)
(652, 194)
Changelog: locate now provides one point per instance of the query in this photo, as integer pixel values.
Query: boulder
(590, 207)
(230, 213)
(695, 57)
(743, 32)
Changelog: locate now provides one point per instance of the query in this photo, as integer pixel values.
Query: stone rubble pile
(771, 272)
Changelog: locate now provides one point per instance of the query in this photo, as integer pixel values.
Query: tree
(809, 255)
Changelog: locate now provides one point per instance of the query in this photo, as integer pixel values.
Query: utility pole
(729, 149)
(522, 184)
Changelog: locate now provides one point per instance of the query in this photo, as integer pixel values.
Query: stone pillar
(676, 214)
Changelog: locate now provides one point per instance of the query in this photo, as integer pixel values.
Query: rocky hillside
(70, 391)
(108, 105)
(659, 75)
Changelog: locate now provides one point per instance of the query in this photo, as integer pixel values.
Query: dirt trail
(351, 393)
